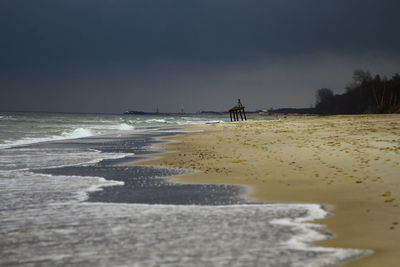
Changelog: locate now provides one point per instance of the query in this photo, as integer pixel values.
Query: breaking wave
(76, 133)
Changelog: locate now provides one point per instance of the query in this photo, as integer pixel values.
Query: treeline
(366, 94)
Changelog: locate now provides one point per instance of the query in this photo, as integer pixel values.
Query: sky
(116, 55)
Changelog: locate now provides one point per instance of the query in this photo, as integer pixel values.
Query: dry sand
(349, 162)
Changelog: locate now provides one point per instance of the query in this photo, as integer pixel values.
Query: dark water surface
(143, 184)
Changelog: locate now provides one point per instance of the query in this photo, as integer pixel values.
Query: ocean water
(68, 199)
(20, 128)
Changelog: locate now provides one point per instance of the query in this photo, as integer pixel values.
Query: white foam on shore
(315, 212)
(25, 159)
(100, 157)
(244, 234)
(100, 183)
(20, 186)
(311, 232)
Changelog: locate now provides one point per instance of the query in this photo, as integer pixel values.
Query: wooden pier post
(236, 111)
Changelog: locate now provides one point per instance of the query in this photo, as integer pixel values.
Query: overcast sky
(115, 55)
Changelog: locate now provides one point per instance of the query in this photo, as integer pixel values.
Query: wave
(76, 133)
(156, 120)
(125, 127)
(6, 118)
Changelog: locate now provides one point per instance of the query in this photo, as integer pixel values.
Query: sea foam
(69, 134)
(125, 127)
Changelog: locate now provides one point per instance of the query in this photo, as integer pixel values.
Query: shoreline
(345, 162)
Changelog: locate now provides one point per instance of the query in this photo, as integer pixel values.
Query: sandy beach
(349, 163)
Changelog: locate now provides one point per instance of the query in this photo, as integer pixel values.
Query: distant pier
(237, 111)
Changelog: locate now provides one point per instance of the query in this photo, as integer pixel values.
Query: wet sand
(351, 163)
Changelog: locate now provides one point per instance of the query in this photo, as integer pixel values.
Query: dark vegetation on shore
(366, 94)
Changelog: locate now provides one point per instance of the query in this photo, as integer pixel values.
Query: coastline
(349, 163)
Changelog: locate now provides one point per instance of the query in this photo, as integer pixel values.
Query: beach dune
(349, 163)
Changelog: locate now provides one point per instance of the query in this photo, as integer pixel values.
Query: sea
(69, 198)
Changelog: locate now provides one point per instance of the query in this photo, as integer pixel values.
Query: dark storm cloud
(77, 47)
(96, 32)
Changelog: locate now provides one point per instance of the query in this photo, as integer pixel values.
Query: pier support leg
(240, 112)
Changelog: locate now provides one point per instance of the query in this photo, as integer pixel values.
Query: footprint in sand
(389, 200)
(386, 194)
(393, 226)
